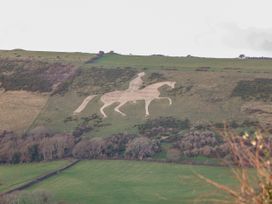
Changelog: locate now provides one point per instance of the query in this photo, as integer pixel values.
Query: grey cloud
(248, 38)
(267, 45)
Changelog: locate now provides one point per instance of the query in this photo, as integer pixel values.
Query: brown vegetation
(35, 197)
(253, 151)
(34, 75)
(39, 144)
(19, 108)
(201, 143)
(141, 147)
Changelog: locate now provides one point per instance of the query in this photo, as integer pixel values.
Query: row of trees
(116, 146)
(180, 137)
(34, 147)
(41, 144)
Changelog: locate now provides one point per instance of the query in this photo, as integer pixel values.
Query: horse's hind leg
(102, 109)
(119, 106)
(147, 103)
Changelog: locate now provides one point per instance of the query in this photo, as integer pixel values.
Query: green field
(14, 175)
(135, 182)
(184, 63)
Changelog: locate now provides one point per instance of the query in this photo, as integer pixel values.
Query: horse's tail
(83, 104)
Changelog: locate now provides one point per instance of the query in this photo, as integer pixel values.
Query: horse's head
(172, 84)
(141, 74)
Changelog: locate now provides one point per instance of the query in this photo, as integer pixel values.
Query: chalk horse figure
(147, 94)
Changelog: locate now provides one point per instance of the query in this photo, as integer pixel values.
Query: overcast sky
(216, 28)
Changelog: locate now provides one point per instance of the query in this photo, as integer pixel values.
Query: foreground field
(135, 182)
(13, 175)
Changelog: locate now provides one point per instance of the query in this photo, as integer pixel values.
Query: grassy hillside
(208, 90)
(13, 175)
(199, 96)
(135, 182)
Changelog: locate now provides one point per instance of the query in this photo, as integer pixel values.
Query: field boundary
(40, 178)
(191, 163)
(95, 59)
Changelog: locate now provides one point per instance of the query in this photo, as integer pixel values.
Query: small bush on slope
(258, 89)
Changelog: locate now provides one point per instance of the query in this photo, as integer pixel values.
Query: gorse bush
(167, 126)
(34, 75)
(201, 143)
(141, 147)
(101, 80)
(258, 89)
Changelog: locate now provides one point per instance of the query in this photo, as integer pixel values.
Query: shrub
(16, 158)
(90, 149)
(166, 126)
(101, 80)
(141, 148)
(34, 147)
(34, 153)
(201, 143)
(113, 146)
(258, 89)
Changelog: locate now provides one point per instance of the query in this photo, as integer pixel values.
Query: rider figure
(136, 83)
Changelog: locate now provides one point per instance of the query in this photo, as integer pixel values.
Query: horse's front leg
(102, 109)
(147, 103)
(119, 106)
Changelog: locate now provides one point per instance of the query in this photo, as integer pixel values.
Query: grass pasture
(14, 175)
(129, 182)
(211, 90)
(185, 63)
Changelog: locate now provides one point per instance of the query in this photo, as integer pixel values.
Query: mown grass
(184, 63)
(135, 182)
(13, 175)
